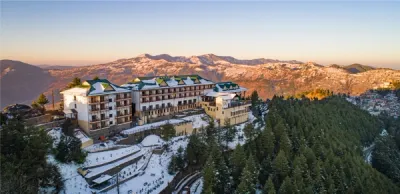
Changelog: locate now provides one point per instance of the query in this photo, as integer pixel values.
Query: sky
(92, 32)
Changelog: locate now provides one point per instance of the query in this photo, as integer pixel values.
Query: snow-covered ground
(197, 122)
(74, 183)
(99, 158)
(152, 140)
(148, 175)
(99, 147)
(101, 169)
(155, 177)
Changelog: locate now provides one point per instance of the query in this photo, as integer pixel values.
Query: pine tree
(286, 187)
(168, 131)
(223, 181)
(238, 162)
(298, 179)
(279, 130)
(281, 166)
(269, 187)
(196, 151)
(172, 166)
(24, 167)
(265, 169)
(229, 132)
(209, 177)
(285, 144)
(254, 98)
(75, 82)
(249, 177)
(210, 131)
(270, 143)
(180, 163)
(42, 100)
(249, 131)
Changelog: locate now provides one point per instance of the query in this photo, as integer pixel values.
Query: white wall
(81, 107)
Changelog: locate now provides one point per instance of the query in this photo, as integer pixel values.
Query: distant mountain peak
(354, 68)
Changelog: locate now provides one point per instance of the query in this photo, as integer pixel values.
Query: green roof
(104, 82)
(228, 85)
(160, 79)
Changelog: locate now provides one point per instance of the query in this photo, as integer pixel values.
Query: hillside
(268, 76)
(55, 66)
(21, 82)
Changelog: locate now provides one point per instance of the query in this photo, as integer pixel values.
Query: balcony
(94, 120)
(93, 101)
(238, 103)
(104, 108)
(122, 121)
(94, 109)
(118, 98)
(120, 105)
(120, 115)
(104, 118)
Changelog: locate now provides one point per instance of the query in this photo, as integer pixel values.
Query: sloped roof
(141, 83)
(228, 87)
(95, 88)
(102, 86)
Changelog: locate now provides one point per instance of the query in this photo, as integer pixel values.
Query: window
(144, 108)
(75, 105)
(110, 108)
(110, 115)
(110, 100)
(74, 97)
(194, 101)
(222, 112)
(111, 122)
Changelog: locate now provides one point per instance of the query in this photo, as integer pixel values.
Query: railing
(93, 101)
(123, 115)
(122, 122)
(172, 92)
(239, 103)
(99, 127)
(95, 120)
(103, 108)
(104, 118)
(122, 104)
(122, 97)
(94, 109)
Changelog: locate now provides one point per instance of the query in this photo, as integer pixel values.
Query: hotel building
(103, 109)
(159, 98)
(100, 107)
(224, 103)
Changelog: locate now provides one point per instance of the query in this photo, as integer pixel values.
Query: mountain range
(21, 82)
